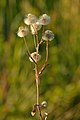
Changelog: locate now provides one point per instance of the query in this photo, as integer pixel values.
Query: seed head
(44, 19)
(48, 35)
(22, 31)
(30, 19)
(35, 27)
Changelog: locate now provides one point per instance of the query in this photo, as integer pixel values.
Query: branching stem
(28, 52)
(37, 80)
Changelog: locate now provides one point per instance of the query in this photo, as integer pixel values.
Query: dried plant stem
(28, 52)
(37, 81)
(39, 111)
(46, 51)
(40, 43)
(26, 45)
(43, 68)
(37, 89)
(34, 41)
(46, 60)
(31, 58)
(37, 38)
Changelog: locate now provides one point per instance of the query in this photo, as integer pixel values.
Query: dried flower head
(48, 35)
(22, 31)
(35, 56)
(30, 19)
(44, 19)
(35, 27)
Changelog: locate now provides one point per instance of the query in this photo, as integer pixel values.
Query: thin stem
(43, 68)
(37, 83)
(37, 89)
(28, 52)
(26, 45)
(34, 41)
(37, 38)
(46, 51)
(46, 59)
(39, 111)
(31, 58)
(37, 94)
(39, 44)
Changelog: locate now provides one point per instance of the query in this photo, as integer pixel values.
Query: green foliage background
(60, 83)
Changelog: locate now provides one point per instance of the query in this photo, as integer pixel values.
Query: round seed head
(48, 35)
(44, 19)
(30, 19)
(22, 31)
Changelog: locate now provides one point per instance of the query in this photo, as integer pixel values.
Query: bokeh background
(60, 83)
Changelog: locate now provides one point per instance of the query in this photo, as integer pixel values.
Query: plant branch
(46, 51)
(37, 81)
(37, 89)
(46, 59)
(43, 68)
(28, 52)
(26, 46)
(34, 41)
(31, 58)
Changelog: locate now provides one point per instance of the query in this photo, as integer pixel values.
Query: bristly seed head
(48, 35)
(44, 19)
(22, 31)
(30, 19)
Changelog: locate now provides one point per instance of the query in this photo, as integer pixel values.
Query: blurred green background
(60, 83)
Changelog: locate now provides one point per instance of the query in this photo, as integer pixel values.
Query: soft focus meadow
(60, 82)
